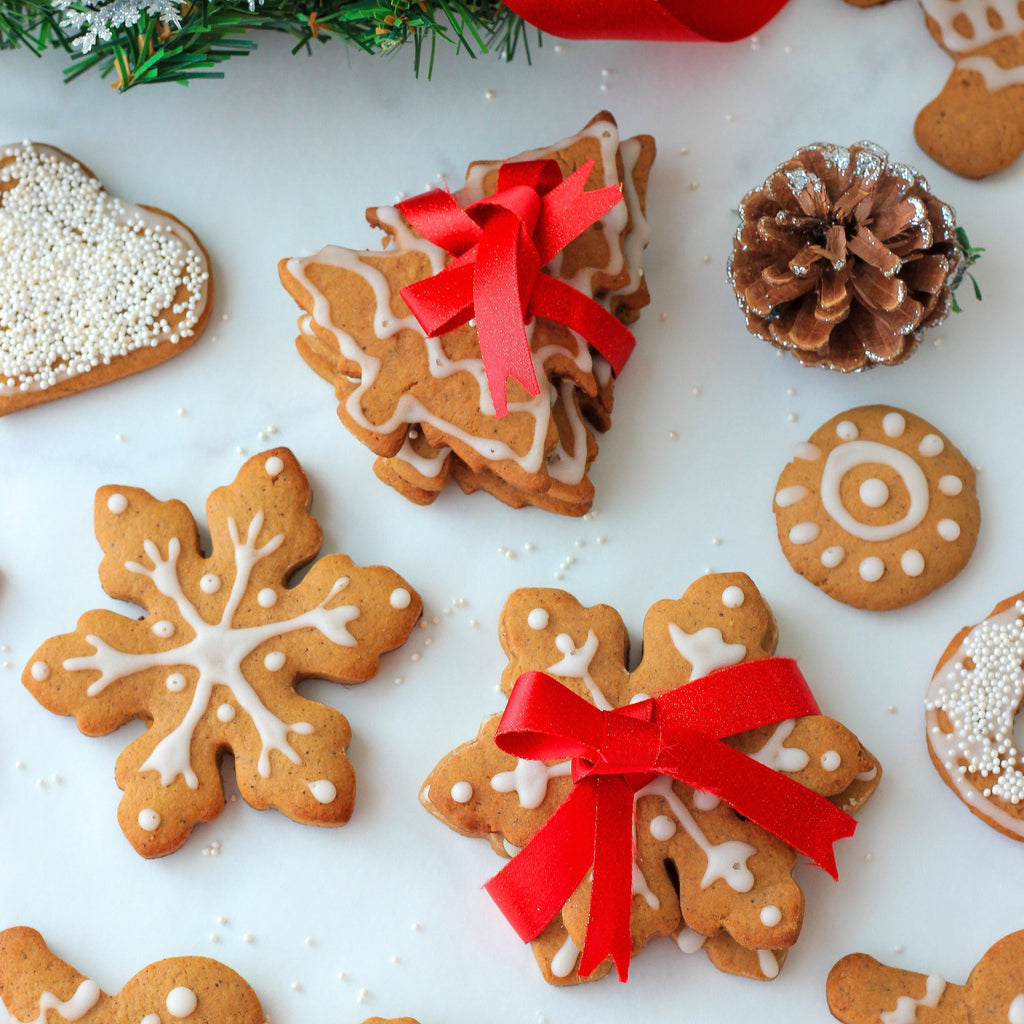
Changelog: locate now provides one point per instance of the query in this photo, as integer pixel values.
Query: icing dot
(847, 430)
(163, 629)
(324, 791)
(210, 583)
(787, 496)
(462, 792)
(117, 503)
(931, 445)
(1015, 1015)
(874, 492)
(770, 916)
(951, 485)
(893, 424)
(175, 682)
(912, 562)
(274, 661)
(807, 451)
(705, 801)
(948, 529)
(267, 597)
(804, 533)
(732, 597)
(537, 619)
(274, 465)
(871, 569)
(689, 940)
(151, 1018)
(226, 713)
(831, 557)
(400, 598)
(40, 671)
(831, 760)
(663, 827)
(181, 1002)
(149, 820)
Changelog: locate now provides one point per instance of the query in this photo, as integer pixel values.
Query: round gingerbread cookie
(877, 508)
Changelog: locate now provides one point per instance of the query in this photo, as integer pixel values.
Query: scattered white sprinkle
(558, 576)
(489, 94)
(225, 317)
(416, 926)
(663, 317)
(868, 857)
(214, 937)
(694, 185)
(308, 941)
(792, 417)
(705, 259)
(248, 939)
(603, 87)
(395, 960)
(363, 995)
(271, 429)
(296, 986)
(791, 392)
(20, 765)
(528, 547)
(559, 48)
(415, 656)
(222, 919)
(892, 709)
(182, 412)
(730, 117)
(262, 435)
(683, 150)
(898, 948)
(474, 623)
(600, 539)
(40, 782)
(119, 437)
(56, 779)
(342, 975)
(399, 680)
(716, 541)
(695, 391)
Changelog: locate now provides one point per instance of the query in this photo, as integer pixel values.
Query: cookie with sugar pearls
(877, 508)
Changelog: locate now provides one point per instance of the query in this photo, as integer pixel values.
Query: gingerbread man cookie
(214, 664)
(92, 288)
(702, 872)
(860, 990)
(38, 987)
(970, 708)
(877, 508)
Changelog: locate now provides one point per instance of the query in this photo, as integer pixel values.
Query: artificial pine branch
(145, 41)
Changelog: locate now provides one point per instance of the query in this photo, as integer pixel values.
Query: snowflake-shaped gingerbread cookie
(701, 873)
(212, 667)
(37, 986)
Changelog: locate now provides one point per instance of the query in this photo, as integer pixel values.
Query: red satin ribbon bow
(614, 754)
(500, 245)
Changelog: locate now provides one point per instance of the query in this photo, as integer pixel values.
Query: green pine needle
(213, 31)
(971, 256)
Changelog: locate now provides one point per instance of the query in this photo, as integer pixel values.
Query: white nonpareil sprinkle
(980, 696)
(84, 277)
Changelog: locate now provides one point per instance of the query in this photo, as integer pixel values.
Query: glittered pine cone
(842, 257)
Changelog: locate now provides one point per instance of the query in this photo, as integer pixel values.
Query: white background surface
(281, 157)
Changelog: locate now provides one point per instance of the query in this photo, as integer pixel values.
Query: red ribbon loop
(500, 245)
(614, 754)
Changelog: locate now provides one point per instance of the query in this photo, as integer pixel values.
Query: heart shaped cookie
(92, 288)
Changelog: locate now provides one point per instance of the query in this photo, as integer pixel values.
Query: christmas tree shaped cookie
(213, 665)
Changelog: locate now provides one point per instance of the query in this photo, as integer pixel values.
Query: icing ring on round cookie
(877, 508)
(970, 707)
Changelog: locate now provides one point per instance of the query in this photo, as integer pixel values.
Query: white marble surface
(280, 158)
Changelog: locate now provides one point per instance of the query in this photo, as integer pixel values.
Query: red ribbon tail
(553, 299)
(608, 931)
(567, 211)
(535, 884)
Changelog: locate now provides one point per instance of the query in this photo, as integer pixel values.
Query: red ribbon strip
(614, 754)
(718, 21)
(500, 245)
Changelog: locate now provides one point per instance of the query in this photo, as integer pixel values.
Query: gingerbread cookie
(425, 404)
(212, 667)
(877, 508)
(702, 869)
(37, 986)
(92, 288)
(860, 990)
(975, 126)
(970, 709)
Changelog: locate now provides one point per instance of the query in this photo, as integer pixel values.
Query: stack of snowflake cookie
(424, 403)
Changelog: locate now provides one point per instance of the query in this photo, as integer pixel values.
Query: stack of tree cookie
(423, 404)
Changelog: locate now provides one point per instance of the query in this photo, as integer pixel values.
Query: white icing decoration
(806, 451)
(151, 1018)
(830, 760)
(181, 1002)
(871, 569)
(210, 583)
(274, 661)
(575, 664)
(226, 713)
(86, 996)
(804, 533)
(40, 671)
(930, 446)
(324, 791)
(117, 503)
(690, 941)
(563, 963)
(538, 618)
(856, 453)
(149, 820)
(216, 651)
(948, 529)
(832, 556)
(400, 598)
(705, 650)
(1015, 1015)
(846, 430)
(267, 597)
(176, 682)
(529, 780)
(912, 562)
(893, 423)
(705, 801)
(163, 629)
(787, 496)
(662, 827)
(770, 915)
(779, 757)
(768, 963)
(462, 792)
(274, 465)
(906, 1006)
(874, 492)
(732, 597)
(950, 485)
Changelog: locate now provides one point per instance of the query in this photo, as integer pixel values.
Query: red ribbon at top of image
(720, 21)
